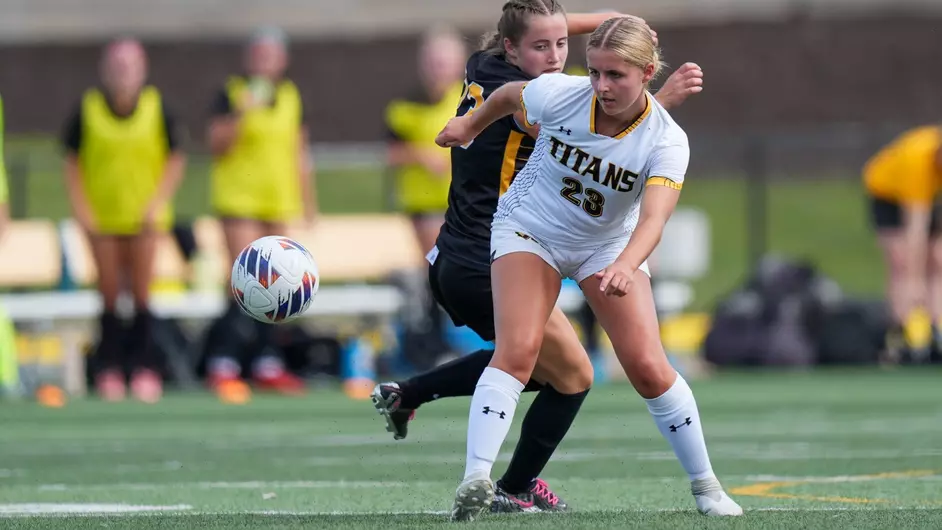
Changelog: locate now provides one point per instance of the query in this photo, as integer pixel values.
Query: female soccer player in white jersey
(591, 204)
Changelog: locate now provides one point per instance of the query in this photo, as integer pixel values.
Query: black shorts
(888, 215)
(464, 292)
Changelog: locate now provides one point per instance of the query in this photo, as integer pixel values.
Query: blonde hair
(513, 22)
(630, 39)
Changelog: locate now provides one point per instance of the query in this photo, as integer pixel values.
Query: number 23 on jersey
(591, 201)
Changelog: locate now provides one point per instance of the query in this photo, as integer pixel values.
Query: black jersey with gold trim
(483, 170)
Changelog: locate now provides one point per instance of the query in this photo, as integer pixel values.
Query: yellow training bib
(122, 161)
(420, 190)
(259, 177)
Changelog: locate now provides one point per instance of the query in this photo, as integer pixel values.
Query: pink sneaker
(147, 386)
(109, 384)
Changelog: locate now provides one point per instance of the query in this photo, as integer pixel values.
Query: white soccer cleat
(472, 498)
(712, 501)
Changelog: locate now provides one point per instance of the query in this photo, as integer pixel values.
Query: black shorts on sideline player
(888, 215)
(464, 292)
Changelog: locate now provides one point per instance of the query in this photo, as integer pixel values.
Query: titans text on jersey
(619, 179)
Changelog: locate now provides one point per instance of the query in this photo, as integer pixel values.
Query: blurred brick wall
(758, 76)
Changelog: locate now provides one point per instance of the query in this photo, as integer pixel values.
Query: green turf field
(823, 450)
(824, 220)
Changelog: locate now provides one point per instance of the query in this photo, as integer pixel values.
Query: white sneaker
(712, 500)
(472, 498)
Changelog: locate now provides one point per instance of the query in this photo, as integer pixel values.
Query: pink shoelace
(541, 489)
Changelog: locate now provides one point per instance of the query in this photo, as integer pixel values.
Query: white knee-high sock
(678, 419)
(492, 411)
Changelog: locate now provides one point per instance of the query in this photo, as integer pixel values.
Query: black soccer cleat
(386, 398)
(538, 498)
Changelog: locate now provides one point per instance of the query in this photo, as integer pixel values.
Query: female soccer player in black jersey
(532, 39)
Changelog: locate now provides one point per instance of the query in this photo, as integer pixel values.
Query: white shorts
(508, 237)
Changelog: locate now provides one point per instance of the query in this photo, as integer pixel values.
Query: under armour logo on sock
(565, 130)
(488, 410)
(685, 422)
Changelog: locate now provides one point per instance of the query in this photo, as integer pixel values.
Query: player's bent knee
(570, 377)
(651, 375)
(563, 360)
(517, 354)
(579, 380)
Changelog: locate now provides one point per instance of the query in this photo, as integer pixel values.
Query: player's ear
(509, 49)
(648, 72)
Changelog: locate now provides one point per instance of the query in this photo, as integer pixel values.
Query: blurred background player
(422, 169)
(903, 181)
(261, 181)
(422, 173)
(123, 165)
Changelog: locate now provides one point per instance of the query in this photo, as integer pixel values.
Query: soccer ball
(274, 279)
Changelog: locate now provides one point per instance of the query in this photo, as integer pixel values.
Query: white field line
(98, 510)
(304, 484)
(345, 484)
(725, 452)
(717, 451)
(225, 485)
(35, 508)
(588, 431)
(752, 451)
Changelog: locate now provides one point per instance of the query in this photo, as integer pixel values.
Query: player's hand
(457, 132)
(616, 279)
(645, 24)
(683, 83)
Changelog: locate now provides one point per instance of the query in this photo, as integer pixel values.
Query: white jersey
(580, 188)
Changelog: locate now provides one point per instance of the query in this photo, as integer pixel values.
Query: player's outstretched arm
(503, 102)
(683, 83)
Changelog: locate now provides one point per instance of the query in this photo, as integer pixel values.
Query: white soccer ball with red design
(274, 279)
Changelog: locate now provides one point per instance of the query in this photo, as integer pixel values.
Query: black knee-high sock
(110, 354)
(265, 337)
(143, 351)
(543, 428)
(455, 378)
(228, 333)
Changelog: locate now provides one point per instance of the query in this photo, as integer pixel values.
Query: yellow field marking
(767, 490)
